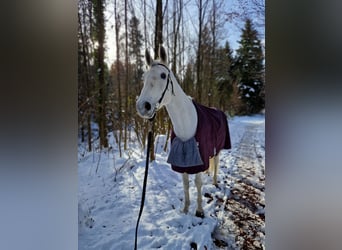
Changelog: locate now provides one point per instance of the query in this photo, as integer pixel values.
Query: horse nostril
(147, 106)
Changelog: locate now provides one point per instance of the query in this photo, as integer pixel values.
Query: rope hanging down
(149, 141)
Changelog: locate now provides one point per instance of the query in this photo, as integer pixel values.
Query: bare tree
(158, 40)
(249, 9)
(158, 36)
(117, 43)
(100, 50)
(126, 78)
(202, 7)
(177, 17)
(85, 108)
(145, 28)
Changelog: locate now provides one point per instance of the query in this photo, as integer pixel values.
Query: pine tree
(250, 70)
(206, 67)
(224, 82)
(135, 48)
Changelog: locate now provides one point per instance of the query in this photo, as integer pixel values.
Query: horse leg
(186, 192)
(211, 168)
(198, 182)
(216, 164)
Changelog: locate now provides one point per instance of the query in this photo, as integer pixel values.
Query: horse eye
(163, 75)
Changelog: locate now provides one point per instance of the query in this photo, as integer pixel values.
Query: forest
(113, 36)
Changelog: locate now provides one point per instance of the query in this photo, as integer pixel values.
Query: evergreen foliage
(224, 81)
(249, 70)
(135, 48)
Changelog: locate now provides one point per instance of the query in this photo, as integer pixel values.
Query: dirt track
(242, 218)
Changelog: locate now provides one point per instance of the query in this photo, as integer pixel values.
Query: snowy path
(244, 221)
(109, 200)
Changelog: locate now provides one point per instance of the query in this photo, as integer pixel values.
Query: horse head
(157, 83)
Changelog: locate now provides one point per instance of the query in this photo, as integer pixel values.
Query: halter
(166, 87)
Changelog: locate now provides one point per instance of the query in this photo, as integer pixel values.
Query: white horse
(162, 89)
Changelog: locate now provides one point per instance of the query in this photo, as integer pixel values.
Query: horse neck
(182, 113)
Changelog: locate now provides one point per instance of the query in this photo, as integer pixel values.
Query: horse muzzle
(145, 109)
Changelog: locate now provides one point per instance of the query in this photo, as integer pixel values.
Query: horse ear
(162, 54)
(148, 58)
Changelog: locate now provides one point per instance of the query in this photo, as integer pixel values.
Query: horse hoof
(199, 214)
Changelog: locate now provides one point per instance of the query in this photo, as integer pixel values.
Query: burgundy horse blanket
(212, 135)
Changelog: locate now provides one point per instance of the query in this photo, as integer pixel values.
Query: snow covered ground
(110, 193)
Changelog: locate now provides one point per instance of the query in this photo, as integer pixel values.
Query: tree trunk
(126, 79)
(158, 40)
(100, 31)
(212, 55)
(117, 41)
(85, 55)
(145, 26)
(89, 131)
(199, 61)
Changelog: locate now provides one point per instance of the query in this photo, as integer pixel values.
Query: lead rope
(149, 141)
